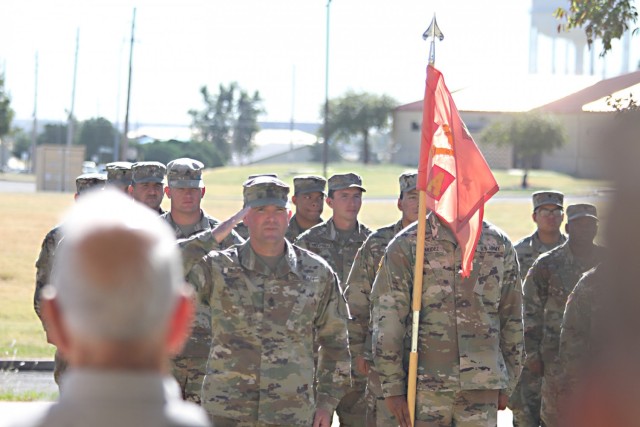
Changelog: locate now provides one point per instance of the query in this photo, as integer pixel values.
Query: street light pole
(325, 148)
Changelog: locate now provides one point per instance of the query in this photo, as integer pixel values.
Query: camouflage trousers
(60, 367)
(549, 404)
(464, 408)
(189, 378)
(230, 422)
(352, 408)
(525, 400)
(378, 415)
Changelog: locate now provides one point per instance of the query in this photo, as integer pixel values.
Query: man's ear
(167, 191)
(204, 190)
(130, 190)
(399, 204)
(329, 201)
(181, 323)
(57, 333)
(294, 200)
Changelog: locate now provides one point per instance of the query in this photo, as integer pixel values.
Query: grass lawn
(25, 218)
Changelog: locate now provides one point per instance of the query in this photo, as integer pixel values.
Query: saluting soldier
(241, 227)
(308, 197)
(147, 184)
(548, 213)
(546, 288)
(358, 289)
(44, 263)
(271, 305)
(337, 240)
(470, 341)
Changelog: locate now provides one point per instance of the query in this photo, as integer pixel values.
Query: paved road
(17, 187)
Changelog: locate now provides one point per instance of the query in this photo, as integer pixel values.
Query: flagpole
(432, 32)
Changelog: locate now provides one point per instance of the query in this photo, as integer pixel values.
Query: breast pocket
(489, 263)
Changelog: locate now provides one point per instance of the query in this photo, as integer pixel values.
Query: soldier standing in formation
(119, 175)
(44, 263)
(337, 240)
(546, 288)
(308, 198)
(470, 338)
(272, 305)
(358, 289)
(147, 187)
(547, 214)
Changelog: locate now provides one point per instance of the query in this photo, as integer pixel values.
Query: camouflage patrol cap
(547, 198)
(185, 173)
(87, 181)
(581, 210)
(119, 173)
(408, 181)
(265, 190)
(345, 180)
(148, 172)
(255, 175)
(303, 184)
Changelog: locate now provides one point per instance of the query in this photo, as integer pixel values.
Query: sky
(274, 46)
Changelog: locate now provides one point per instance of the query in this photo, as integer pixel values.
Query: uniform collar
(249, 260)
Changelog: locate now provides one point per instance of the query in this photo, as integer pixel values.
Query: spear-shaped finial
(432, 32)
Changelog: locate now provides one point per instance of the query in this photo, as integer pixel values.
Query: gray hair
(118, 272)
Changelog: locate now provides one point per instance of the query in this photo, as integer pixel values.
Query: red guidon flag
(452, 170)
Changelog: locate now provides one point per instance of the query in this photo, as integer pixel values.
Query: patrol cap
(148, 172)
(547, 198)
(408, 181)
(303, 184)
(87, 181)
(255, 175)
(119, 173)
(185, 173)
(345, 180)
(265, 190)
(581, 210)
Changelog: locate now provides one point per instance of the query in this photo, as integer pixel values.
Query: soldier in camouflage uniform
(44, 263)
(119, 175)
(308, 198)
(546, 288)
(185, 188)
(548, 215)
(357, 291)
(337, 240)
(271, 304)
(470, 343)
(147, 184)
(241, 228)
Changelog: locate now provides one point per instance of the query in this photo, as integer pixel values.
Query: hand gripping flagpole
(432, 32)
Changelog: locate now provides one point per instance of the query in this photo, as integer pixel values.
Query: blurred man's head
(147, 183)
(185, 187)
(345, 196)
(89, 181)
(409, 197)
(582, 223)
(308, 197)
(548, 211)
(119, 175)
(117, 297)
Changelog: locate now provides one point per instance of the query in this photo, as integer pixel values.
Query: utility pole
(125, 139)
(325, 148)
(70, 119)
(34, 126)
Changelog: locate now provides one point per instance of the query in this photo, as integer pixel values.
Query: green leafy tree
(53, 133)
(97, 135)
(6, 112)
(530, 134)
(165, 151)
(21, 143)
(357, 114)
(606, 20)
(246, 124)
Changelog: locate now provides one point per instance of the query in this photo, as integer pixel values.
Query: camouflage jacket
(294, 229)
(322, 239)
(470, 334)
(530, 248)
(242, 230)
(44, 264)
(584, 309)
(546, 288)
(266, 325)
(358, 287)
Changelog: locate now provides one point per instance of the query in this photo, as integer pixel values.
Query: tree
(97, 135)
(228, 120)
(6, 113)
(601, 19)
(358, 114)
(530, 134)
(55, 133)
(165, 151)
(21, 143)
